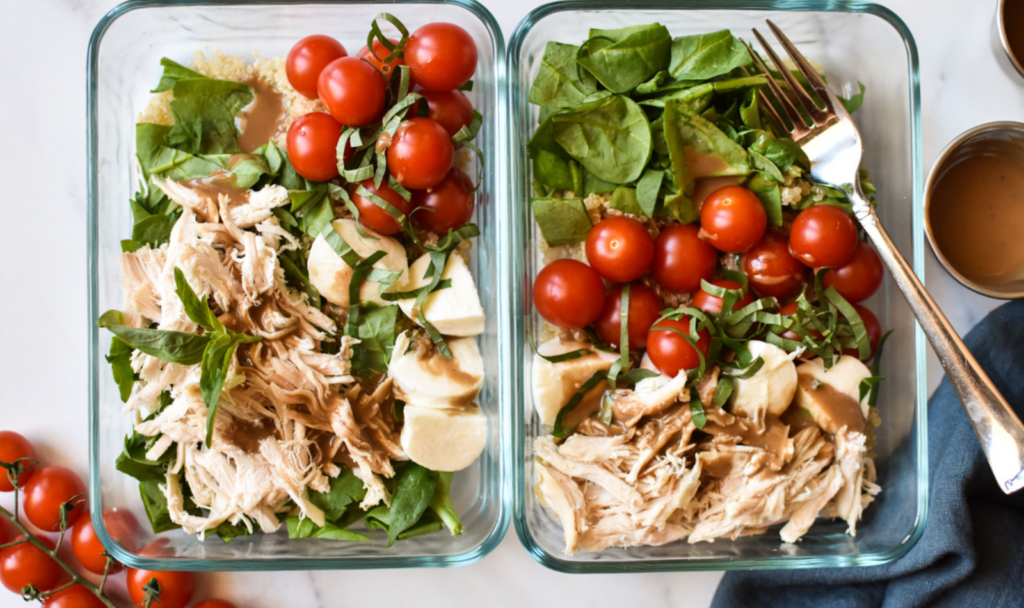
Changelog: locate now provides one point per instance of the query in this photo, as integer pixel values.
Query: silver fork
(834, 148)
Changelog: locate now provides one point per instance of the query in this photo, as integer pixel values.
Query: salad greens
(639, 114)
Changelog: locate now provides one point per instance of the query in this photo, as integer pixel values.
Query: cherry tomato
(120, 524)
(26, 564)
(75, 596)
(12, 447)
(709, 303)
(451, 203)
(568, 294)
(620, 249)
(670, 352)
(48, 489)
(644, 309)
(353, 91)
(451, 109)
(823, 235)
(420, 154)
(376, 218)
(312, 146)
(441, 56)
(307, 60)
(682, 259)
(175, 587)
(733, 219)
(214, 604)
(860, 277)
(873, 327)
(379, 54)
(771, 270)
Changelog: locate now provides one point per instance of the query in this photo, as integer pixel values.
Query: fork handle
(998, 428)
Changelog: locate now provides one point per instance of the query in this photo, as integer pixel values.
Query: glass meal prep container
(124, 63)
(854, 42)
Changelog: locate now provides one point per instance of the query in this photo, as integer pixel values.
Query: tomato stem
(76, 578)
(14, 543)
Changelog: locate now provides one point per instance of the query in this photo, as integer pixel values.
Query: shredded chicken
(288, 411)
(652, 477)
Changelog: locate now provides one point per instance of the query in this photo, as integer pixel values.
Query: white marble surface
(43, 373)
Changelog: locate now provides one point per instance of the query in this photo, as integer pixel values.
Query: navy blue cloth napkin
(972, 549)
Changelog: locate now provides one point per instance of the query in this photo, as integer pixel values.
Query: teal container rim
(515, 269)
(130, 559)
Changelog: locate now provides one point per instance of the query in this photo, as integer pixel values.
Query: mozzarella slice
(832, 396)
(771, 389)
(444, 439)
(455, 310)
(332, 276)
(555, 383)
(423, 377)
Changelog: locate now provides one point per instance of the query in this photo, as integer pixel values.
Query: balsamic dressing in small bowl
(974, 209)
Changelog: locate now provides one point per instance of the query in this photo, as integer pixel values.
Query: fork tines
(819, 117)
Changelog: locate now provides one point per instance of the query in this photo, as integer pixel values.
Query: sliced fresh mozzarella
(332, 276)
(425, 378)
(455, 310)
(444, 439)
(554, 384)
(832, 396)
(770, 390)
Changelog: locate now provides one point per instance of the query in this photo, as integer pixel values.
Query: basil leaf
(120, 360)
(697, 413)
(559, 85)
(562, 221)
(635, 54)
(204, 112)
(196, 309)
(441, 504)
(723, 390)
(376, 333)
(469, 132)
(633, 376)
(414, 491)
(215, 364)
(611, 137)
(705, 56)
(170, 346)
(559, 431)
(296, 276)
(359, 273)
(435, 336)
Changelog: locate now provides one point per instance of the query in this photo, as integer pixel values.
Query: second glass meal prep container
(854, 42)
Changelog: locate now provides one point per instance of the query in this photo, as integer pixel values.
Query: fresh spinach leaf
(647, 190)
(413, 493)
(705, 56)
(441, 504)
(561, 220)
(376, 333)
(593, 184)
(855, 101)
(296, 276)
(154, 230)
(152, 150)
(698, 148)
(774, 150)
(228, 531)
(610, 137)
(428, 524)
(204, 113)
(552, 166)
(635, 54)
(173, 71)
(155, 504)
(559, 85)
(345, 490)
(171, 346)
(767, 189)
(624, 200)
